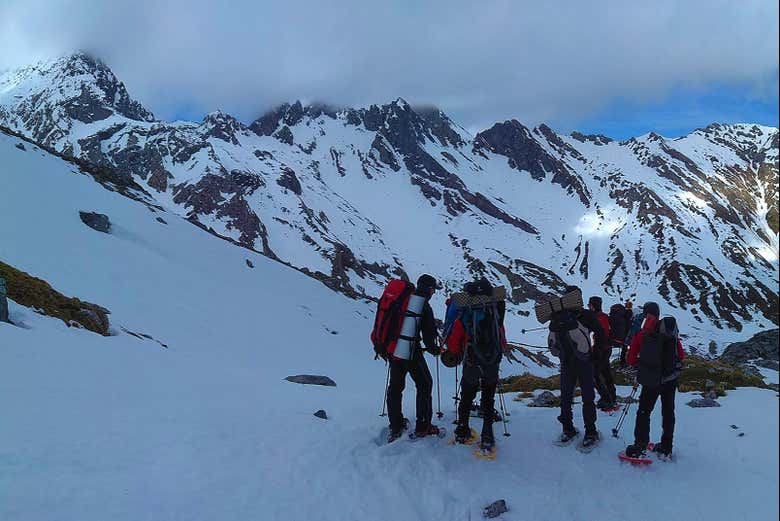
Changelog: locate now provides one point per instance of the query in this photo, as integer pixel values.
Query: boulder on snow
(249, 263)
(495, 509)
(3, 302)
(761, 345)
(96, 221)
(545, 399)
(311, 379)
(321, 414)
(703, 402)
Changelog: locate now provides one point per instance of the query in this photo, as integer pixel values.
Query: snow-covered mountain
(118, 427)
(356, 196)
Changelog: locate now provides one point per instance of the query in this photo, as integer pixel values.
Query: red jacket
(636, 343)
(458, 338)
(603, 319)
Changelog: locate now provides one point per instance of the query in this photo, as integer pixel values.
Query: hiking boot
(568, 435)
(462, 433)
(637, 450)
(591, 438)
(602, 404)
(394, 434)
(663, 450)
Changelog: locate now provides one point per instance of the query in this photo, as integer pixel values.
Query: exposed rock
(495, 509)
(160, 220)
(703, 402)
(96, 221)
(37, 294)
(762, 345)
(545, 399)
(310, 379)
(768, 364)
(284, 135)
(249, 263)
(289, 180)
(3, 302)
(321, 414)
(20, 146)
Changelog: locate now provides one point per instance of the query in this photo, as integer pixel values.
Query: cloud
(558, 62)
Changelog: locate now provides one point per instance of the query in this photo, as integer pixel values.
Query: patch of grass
(528, 382)
(32, 292)
(697, 370)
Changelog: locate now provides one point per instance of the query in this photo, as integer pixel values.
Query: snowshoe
(486, 449)
(566, 438)
(433, 430)
(637, 450)
(589, 442)
(464, 438)
(636, 455)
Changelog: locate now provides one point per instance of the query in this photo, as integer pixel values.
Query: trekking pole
(387, 384)
(524, 331)
(439, 414)
(619, 424)
(503, 407)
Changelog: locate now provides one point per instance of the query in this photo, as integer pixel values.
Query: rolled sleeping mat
(466, 299)
(412, 315)
(568, 302)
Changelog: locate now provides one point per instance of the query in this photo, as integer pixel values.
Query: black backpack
(483, 327)
(618, 323)
(568, 336)
(658, 362)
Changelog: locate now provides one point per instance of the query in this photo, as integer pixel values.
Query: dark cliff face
(515, 142)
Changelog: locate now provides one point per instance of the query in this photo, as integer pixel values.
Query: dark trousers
(647, 399)
(474, 378)
(418, 370)
(605, 384)
(574, 369)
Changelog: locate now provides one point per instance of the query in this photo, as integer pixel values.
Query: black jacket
(428, 331)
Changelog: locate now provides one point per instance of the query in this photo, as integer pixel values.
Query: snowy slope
(356, 196)
(119, 428)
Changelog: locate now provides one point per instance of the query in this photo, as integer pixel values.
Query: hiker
(658, 352)
(569, 339)
(478, 339)
(602, 372)
(620, 321)
(417, 368)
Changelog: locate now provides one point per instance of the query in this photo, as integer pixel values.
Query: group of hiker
(474, 336)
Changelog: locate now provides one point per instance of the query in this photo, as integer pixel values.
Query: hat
(426, 283)
(651, 308)
(596, 302)
(629, 304)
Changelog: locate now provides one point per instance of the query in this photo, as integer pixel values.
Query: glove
(380, 353)
(435, 350)
(448, 359)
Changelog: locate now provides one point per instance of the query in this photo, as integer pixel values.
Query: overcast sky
(621, 68)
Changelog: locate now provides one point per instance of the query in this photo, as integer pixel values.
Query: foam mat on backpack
(569, 301)
(466, 299)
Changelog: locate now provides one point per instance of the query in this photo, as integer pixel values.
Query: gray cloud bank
(479, 61)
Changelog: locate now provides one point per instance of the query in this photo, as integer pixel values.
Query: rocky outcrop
(763, 345)
(310, 379)
(97, 221)
(37, 294)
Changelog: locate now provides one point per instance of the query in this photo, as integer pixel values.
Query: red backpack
(390, 316)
